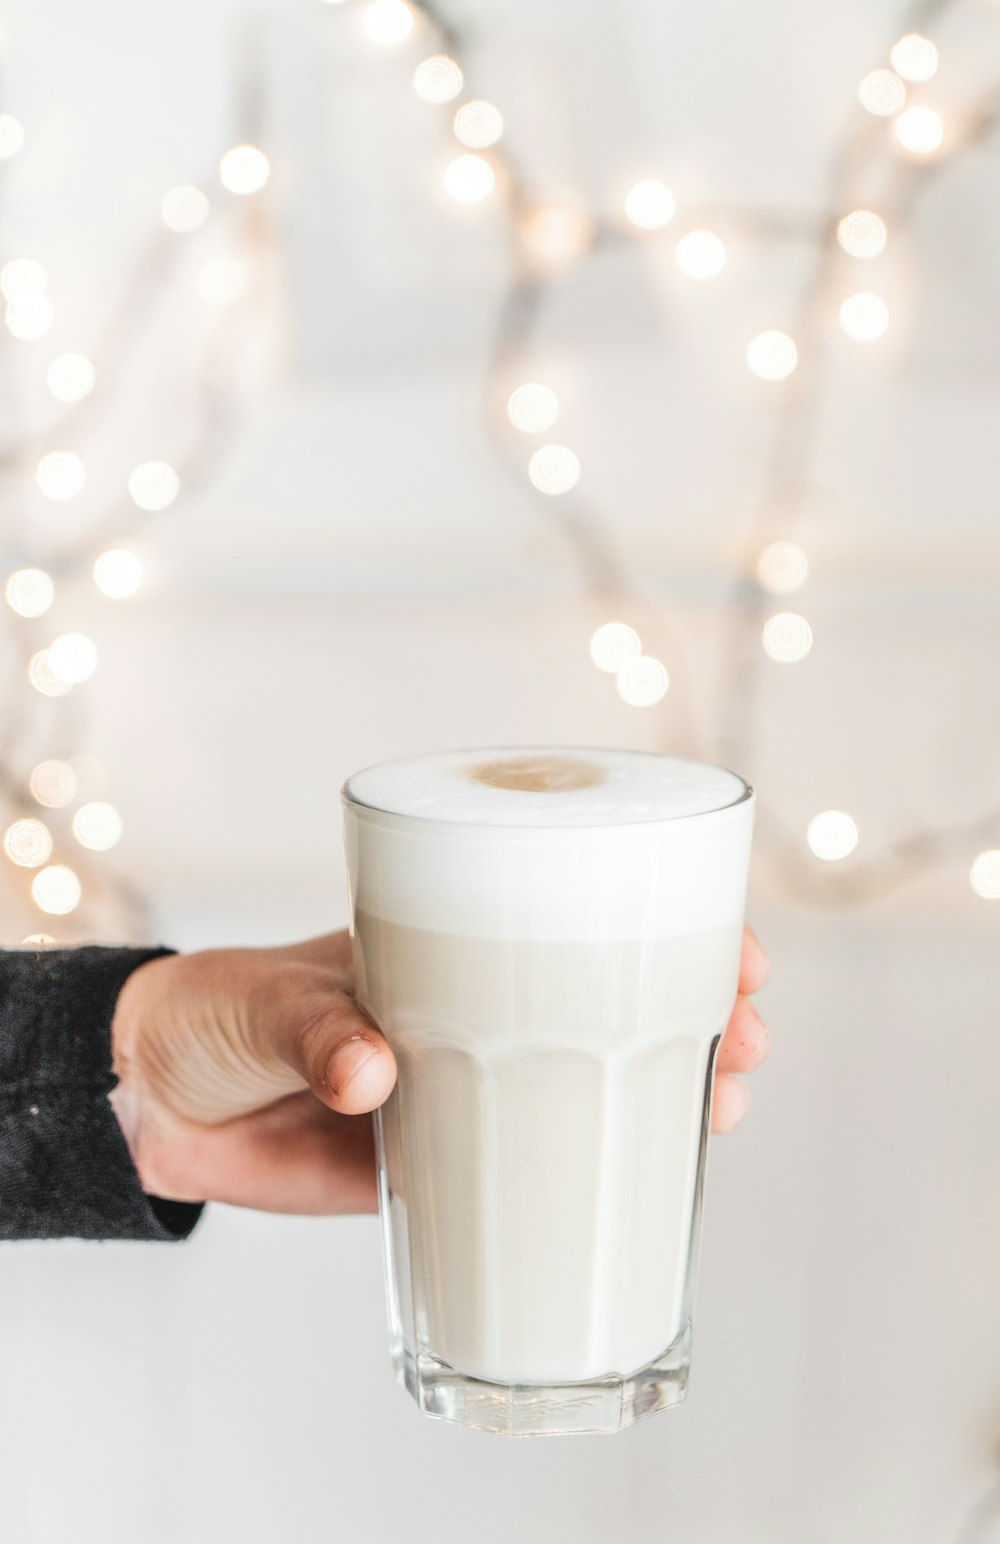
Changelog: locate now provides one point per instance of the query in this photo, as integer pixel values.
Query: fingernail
(348, 1060)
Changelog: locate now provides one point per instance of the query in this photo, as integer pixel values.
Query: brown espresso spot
(537, 774)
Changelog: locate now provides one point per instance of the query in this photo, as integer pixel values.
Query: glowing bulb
(117, 573)
(700, 255)
(28, 317)
(97, 826)
(185, 209)
(613, 645)
(244, 169)
(60, 475)
(832, 835)
(153, 485)
(469, 179)
(72, 657)
(787, 637)
(478, 124)
(642, 681)
(29, 592)
(438, 79)
(554, 469)
(919, 130)
(533, 408)
(650, 205)
(782, 567)
(43, 678)
(28, 843)
(772, 355)
(22, 276)
(882, 93)
(555, 236)
(222, 281)
(388, 21)
(11, 136)
(914, 57)
(864, 317)
(70, 377)
(56, 890)
(984, 875)
(861, 233)
(53, 783)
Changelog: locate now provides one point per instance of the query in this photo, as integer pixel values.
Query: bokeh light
(772, 355)
(864, 317)
(43, 678)
(388, 21)
(97, 826)
(650, 205)
(469, 179)
(29, 592)
(244, 169)
(832, 835)
(782, 567)
(555, 236)
(222, 281)
(862, 233)
(787, 637)
(117, 573)
(984, 876)
(642, 681)
(919, 130)
(882, 93)
(28, 317)
(700, 255)
(72, 657)
(70, 377)
(438, 79)
(38, 941)
(154, 485)
(60, 475)
(22, 276)
(56, 890)
(914, 57)
(28, 843)
(533, 408)
(53, 783)
(478, 124)
(554, 469)
(11, 136)
(613, 644)
(184, 209)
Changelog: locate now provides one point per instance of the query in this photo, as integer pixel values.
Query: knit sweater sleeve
(65, 1167)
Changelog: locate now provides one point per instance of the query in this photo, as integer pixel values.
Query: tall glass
(554, 995)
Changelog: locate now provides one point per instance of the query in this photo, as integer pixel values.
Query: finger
(330, 950)
(342, 1056)
(755, 967)
(730, 1102)
(746, 1041)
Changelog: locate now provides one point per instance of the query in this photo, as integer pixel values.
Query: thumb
(336, 1048)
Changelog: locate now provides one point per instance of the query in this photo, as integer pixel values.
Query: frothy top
(546, 787)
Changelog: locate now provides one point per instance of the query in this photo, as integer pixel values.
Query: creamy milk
(550, 942)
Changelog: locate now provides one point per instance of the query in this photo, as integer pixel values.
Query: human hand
(243, 1074)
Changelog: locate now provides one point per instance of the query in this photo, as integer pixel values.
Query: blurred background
(275, 506)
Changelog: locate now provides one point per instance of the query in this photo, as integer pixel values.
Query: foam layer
(543, 786)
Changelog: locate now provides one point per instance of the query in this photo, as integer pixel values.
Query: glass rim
(347, 797)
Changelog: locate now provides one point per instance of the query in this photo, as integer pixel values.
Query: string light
(555, 236)
(862, 234)
(787, 637)
(153, 485)
(438, 79)
(244, 170)
(832, 835)
(984, 876)
(469, 178)
(11, 136)
(612, 646)
(70, 377)
(650, 205)
(532, 408)
(53, 783)
(864, 317)
(554, 469)
(185, 209)
(642, 681)
(28, 317)
(478, 124)
(388, 21)
(22, 276)
(919, 130)
(43, 678)
(60, 475)
(117, 573)
(29, 592)
(772, 355)
(28, 843)
(882, 93)
(914, 57)
(97, 826)
(782, 567)
(56, 890)
(700, 255)
(72, 657)
(222, 281)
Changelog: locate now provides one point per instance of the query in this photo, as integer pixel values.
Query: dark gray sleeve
(65, 1167)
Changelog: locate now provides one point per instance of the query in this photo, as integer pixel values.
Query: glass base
(547, 1410)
